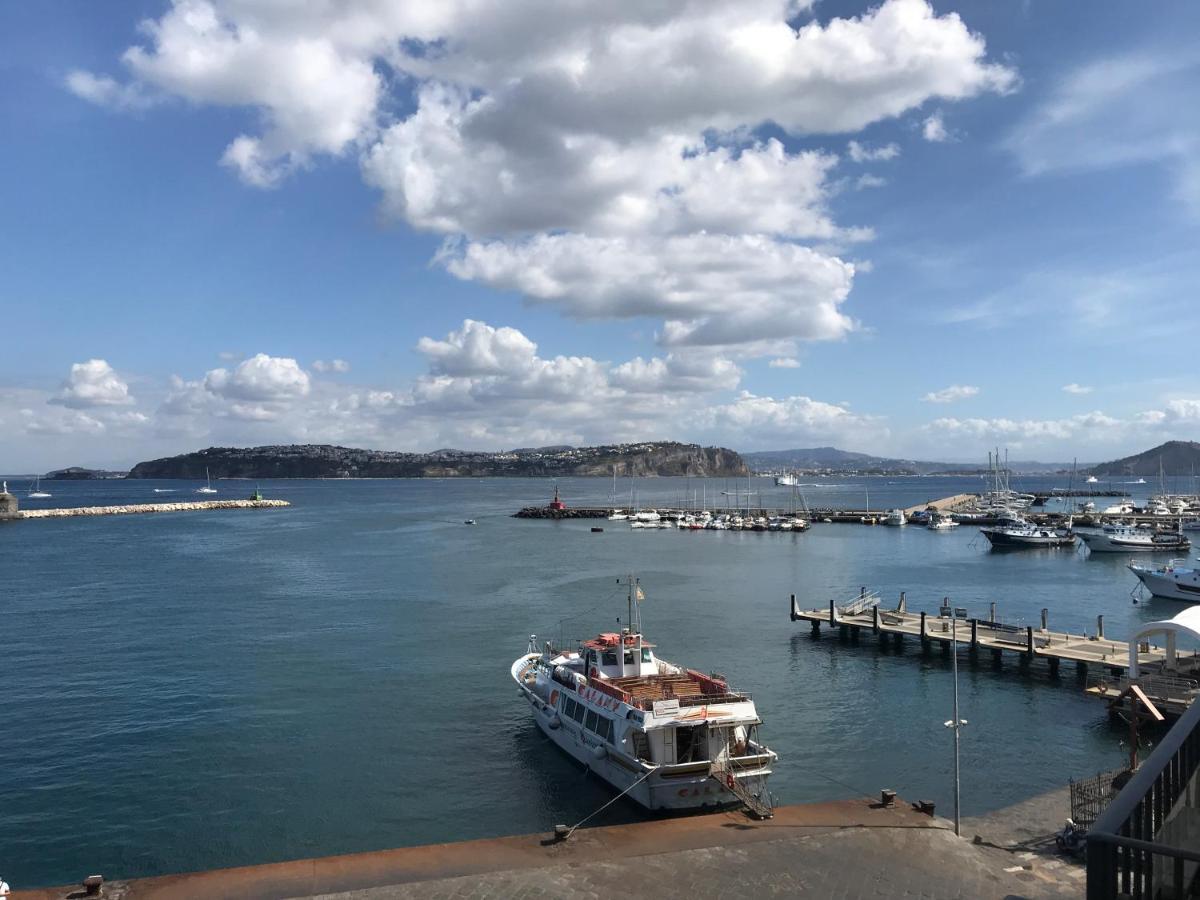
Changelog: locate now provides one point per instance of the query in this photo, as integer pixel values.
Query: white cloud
(934, 129)
(550, 131)
(711, 289)
(792, 419)
(677, 372)
(864, 153)
(1020, 432)
(339, 366)
(105, 91)
(93, 384)
(869, 181)
(1073, 388)
(479, 349)
(260, 378)
(784, 362)
(952, 393)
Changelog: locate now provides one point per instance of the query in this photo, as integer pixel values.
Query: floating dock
(136, 508)
(1105, 659)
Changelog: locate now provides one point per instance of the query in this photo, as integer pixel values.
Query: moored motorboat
(1137, 538)
(896, 517)
(1175, 581)
(940, 521)
(1023, 535)
(668, 737)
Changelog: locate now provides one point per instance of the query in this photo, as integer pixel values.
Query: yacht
(896, 517)
(1124, 508)
(1175, 581)
(1021, 535)
(939, 521)
(37, 493)
(1092, 479)
(787, 480)
(667, 736)
(1123, 538)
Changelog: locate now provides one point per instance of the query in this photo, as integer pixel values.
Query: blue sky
(900, 229)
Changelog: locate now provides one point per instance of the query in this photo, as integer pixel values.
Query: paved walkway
(845, 849)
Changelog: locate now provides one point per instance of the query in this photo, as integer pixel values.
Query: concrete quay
(851, 848)
(136, 508)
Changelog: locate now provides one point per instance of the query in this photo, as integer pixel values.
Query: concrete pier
(850, 848)
(135, 508)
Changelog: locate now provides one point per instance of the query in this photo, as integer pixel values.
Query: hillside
(831, 459)
(1177, 458)
(326, 461)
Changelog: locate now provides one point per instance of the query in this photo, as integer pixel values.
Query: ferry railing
(1146, 844)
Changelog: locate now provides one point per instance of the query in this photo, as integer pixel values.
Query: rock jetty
(135, 508)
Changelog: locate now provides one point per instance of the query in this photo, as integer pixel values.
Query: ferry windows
(591, 720)
(578, 711)
(608, 658)
(641, 745)
(691, 744)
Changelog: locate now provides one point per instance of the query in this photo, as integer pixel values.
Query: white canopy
(1186, 623)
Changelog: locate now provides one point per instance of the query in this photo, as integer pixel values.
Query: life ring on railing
(553, 698)
(729, 780)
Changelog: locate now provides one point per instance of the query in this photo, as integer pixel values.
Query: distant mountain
(832, 459)
(78, 473)
(1176, 457)
(326, 461)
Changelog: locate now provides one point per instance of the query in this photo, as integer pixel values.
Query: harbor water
(199, 690)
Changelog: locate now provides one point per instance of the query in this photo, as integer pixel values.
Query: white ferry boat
(1175, 581)
(669, 737)
(1124, 538)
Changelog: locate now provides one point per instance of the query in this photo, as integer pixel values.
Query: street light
(956, 723)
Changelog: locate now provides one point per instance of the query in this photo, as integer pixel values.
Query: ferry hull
(1102, 543)
(672, 792)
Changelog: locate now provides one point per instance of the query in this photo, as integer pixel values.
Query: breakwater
(135, 508)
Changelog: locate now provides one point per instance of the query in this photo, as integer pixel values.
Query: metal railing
(1146, 844)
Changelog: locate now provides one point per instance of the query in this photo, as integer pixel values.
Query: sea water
(195, 690)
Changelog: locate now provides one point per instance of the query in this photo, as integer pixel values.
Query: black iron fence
(1091, 796)
(1146, 844)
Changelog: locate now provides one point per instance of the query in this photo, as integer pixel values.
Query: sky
(898, 228)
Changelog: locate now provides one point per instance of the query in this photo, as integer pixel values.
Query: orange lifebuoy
(553, 698)
(729, 780)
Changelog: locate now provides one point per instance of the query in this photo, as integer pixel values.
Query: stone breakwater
(135, 508)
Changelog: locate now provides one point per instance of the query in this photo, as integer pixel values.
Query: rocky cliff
(326, 461)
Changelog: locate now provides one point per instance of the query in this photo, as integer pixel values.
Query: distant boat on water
(1092, 479)
(208, 488)
(37, 493)
(164, 490)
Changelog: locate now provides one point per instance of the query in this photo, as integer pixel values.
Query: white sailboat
(208, 488)
(37, 493)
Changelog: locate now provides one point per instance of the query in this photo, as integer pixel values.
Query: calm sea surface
(194, 690)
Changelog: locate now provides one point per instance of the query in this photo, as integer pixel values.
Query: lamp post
(956, 723)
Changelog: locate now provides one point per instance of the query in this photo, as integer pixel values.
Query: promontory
(327, 461)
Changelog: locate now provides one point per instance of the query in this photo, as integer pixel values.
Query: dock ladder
(758, 805)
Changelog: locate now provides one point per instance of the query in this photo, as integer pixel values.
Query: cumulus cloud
(479, 349)
(259, 378)
(1018, 432)
(339, 366)
(864, 153)
(784, 362)
(105, 91)
(93, 384)
(869, 181)
(1073, 388)
(551, 131)
(934, 129)
(797, 418)
(952, 393)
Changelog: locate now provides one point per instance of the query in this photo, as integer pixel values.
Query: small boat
(1092, 479)
(940, 521)
(1123, 538)
(666, 736)
(1175, 581)
(1025, 535)
(1124, 508)
(786, 480)
(596, 529)
(208, 488)
(469, 522)
(896, 517)
(37, 493)
(164, 490)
